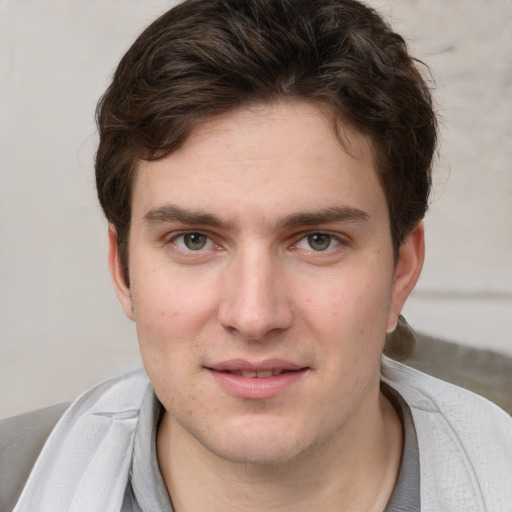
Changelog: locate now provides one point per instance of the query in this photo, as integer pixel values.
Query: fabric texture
(465, 447)
(482, 371)
(21, 439)
(465, 443)
(406, 495)
(146, 491)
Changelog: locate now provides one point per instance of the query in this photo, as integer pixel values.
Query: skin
(235, 253)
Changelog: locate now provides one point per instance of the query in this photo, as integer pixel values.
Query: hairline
(351, 138)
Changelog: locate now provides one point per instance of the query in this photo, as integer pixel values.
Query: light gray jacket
(465, 446)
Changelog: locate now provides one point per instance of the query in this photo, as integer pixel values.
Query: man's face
(262, 282)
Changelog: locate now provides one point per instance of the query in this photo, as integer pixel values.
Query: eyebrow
(326, 216)
(172, 213)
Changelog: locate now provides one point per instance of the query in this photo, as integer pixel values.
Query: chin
(256, 442)
(257, 454)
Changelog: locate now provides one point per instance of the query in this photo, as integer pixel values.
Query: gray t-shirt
(146, 491)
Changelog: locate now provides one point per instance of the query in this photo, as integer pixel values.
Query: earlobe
(117, 274)
(407, 272)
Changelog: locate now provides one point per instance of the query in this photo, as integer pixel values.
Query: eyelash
(332, 240)
(182, 234)
(338, 240)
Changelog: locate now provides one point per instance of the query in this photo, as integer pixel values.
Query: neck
(354, 471)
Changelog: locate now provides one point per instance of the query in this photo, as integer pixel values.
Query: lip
(256, 388)
(244, 365)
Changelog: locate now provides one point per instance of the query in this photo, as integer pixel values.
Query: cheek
(349, 297)
(169, 306)
(168, 326)
(347, 316)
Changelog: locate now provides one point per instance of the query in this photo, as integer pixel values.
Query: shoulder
(466, 412)
(47, 436)
(21, 440)
(432, 394)
(482, 371)
(464, 441)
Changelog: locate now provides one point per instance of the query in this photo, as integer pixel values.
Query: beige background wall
(61, 328)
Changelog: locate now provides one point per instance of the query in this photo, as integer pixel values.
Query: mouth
(252, 380)
(258, 374)
(256, 369)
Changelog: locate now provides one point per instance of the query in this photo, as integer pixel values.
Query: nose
(255, 302)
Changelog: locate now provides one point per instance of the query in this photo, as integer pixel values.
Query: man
(264, 166)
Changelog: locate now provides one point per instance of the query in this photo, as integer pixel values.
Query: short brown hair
(205, 57)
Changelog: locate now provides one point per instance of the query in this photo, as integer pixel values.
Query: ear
(407, 272)
(116, 273)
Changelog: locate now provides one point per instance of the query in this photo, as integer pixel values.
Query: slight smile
(256, 381)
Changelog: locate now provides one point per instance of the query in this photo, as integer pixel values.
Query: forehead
(278, 154)
(285, 122)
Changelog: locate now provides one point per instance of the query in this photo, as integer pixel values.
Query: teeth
(262, 374)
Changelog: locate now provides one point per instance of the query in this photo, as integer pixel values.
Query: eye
(318, 242)
(192, 241)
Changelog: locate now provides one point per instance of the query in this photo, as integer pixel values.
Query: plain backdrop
(61, 327)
